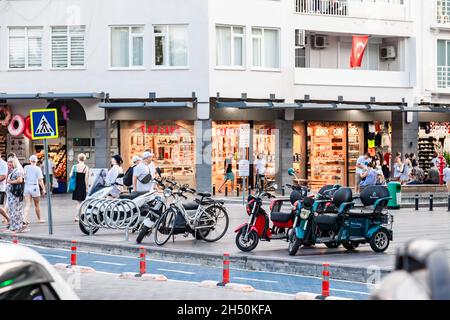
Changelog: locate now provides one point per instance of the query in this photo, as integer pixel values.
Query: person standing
(407, 165)
(433, 175)
(81, 172)
(361, 166)
(261, 166)
(152, 168)
(369, 177)
(398, 167)
(3, 177)
(115, 171)
(51, 167)
(15, 201)
(447, 177)
(33, 180)
(229, 175)
(141, 174)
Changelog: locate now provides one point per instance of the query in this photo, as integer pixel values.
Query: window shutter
(34, 47)
(59, 47)
(17, 48)
(77, 46)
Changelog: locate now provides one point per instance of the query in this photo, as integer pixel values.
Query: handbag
(18, 189)
(73, 180)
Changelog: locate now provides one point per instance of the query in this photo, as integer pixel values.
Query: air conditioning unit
(319, 41)
(300, 38)
(388, 53)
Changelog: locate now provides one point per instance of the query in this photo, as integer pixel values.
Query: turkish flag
(359, 46)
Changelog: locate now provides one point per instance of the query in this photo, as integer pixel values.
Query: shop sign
(159, 129)
(244, 168)
(244, 136)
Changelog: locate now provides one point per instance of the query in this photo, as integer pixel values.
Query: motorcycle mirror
(291, 172)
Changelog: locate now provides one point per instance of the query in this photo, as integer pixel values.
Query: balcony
(374, 9)
(352, 78)
(443, 12)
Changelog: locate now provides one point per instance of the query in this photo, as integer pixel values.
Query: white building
(158, 74)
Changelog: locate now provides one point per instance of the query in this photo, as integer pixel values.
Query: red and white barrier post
(73, 255)
(15, 239)
(326, 280)
(226, 270)
(142, 262)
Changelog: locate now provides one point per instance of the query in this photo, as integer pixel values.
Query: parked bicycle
(204, 218)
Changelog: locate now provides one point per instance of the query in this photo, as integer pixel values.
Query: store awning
(153, 104)
(306, 106)
(51, 96)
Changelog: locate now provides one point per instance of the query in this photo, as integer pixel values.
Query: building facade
(199, 82)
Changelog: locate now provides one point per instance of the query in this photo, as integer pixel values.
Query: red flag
(359, 46)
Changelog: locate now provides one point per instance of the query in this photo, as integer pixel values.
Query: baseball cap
(33, 158)
(136, 159)
(146, 155)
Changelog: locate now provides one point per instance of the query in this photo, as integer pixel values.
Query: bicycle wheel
(213, 224)
(165, 226)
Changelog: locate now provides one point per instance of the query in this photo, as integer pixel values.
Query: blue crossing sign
(44, 124)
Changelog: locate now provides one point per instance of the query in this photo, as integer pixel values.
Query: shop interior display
(355, 148)
(264, 143)
(57, 150)
(327, 154)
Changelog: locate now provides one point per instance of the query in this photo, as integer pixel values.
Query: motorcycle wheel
(142, 234)
(332, 245)
(350, 246)
(250, 244)
(379, 241)
(86, 231)
(294, 244)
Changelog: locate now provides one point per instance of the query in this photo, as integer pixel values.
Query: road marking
(176, 271)
(258, 280)
(110, 263)
(350, 291)
(54, 256)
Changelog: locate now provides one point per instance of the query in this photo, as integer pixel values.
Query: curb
(70, 268)
(230, 286)
(239, 261)
(143, 277)
(303, 296)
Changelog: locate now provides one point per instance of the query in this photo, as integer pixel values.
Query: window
(25, 47)
(171, 49)
(266, 48)
(443, 63)
(68, 46)
(127, 47)
(230, 46)
(300, 48)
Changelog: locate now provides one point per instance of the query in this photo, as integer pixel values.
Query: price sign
(244, 168)
(244, 136)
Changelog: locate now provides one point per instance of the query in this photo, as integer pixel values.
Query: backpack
(128, 177)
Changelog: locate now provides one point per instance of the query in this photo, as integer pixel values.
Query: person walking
(152, 168)
(407, 166)
(3, 177)
(81, 172)
(115, 171)
(33, 180)
(361, 166)
(261, 167)
(229, 175)
(141, 174)
(398, 167)
(14, 196)
(369, 177)
(447, 177)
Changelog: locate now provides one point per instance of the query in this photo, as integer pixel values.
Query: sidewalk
(272, 256)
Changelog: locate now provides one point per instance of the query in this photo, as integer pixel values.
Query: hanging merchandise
(5, 116)
(371, 140)
(16, 126)
(27, 130)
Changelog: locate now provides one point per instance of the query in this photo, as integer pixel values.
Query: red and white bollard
(15, 239)
(226, 270)
(142, 262)
(73, 256)
(326, 280)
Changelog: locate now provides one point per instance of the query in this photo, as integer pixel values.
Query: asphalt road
(275, 284)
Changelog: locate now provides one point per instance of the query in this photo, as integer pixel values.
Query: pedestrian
(229, 175)
(81, 172)
(128, 177)
(434, 160)
(386, 170)
(447, 177)
(414, 161)
(361, 166)
(34, 179)
(51, 167)
(398, 167)
(152, 168)
(141, 174)
(115, 170)
(369, 177)
(261, 166)
(407, 166)
(3, 177)
(14, 194)
(433, 175)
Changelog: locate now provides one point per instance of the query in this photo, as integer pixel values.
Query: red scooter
(258, 227)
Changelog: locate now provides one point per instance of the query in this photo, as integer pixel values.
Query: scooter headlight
(167, 192)
(304, 214)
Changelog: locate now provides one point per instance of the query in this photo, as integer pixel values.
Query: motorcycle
(258, 226)
(349, 227)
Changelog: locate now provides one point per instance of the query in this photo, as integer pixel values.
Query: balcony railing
(322, 7)
(443, 77)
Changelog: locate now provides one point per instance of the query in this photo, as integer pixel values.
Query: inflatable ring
(27, 130)
(5, 116)
(16, 126)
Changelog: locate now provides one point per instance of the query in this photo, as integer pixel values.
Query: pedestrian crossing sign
(44, 124)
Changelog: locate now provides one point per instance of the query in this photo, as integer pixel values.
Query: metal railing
(443, 77)
(322, 7)
(443, 11)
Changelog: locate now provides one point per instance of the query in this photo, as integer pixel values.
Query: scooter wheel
(379, 241)
(86, 231)
(250, 244)
(294, 244)
(142, 234)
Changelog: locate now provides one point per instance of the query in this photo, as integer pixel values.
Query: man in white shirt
(3, 176)
(152, 167)
(361, 166)
(33, 180)
(140, 173)
(260, 165)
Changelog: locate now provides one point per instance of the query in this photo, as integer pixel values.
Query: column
(203, 155)
(404, 135)
(284, 151)
(102, 144)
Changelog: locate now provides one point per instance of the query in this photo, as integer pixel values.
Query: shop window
(68, 46)
(264, 143)
(171, 49)
(25, 47)
(127, 47)
(355, 149)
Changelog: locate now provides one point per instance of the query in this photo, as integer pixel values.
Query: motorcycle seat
(327, 219)
(280, 217)
(204, 194)
(131, 196)
(190, 205)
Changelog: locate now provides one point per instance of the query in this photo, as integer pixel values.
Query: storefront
(172, 142)
(434, 138)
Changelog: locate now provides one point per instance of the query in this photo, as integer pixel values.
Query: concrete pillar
(284, 151)
(203, 155)
(404, 135)
(102, 144)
